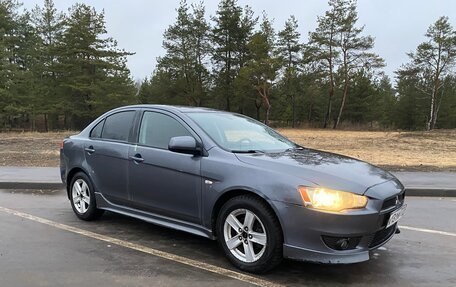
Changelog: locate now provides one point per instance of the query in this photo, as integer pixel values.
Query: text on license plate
(396, 215)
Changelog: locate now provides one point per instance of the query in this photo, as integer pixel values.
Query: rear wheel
(82, 198)
(250, 234)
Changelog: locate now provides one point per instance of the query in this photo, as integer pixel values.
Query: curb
(411, 191)
(31, 185)
(438, 192)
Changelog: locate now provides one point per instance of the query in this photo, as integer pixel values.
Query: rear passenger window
(118, 126)
(96, 131)
(157, 129)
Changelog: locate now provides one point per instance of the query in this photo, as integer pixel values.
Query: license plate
(396, 215)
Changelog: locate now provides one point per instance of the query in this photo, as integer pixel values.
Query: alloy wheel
(81, 195)
(245, 235)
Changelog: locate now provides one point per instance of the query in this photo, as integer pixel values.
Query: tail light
(61, 144)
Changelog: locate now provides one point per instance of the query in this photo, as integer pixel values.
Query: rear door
(162, 181)
(107, 155)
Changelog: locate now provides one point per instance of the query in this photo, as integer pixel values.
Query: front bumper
(356, 255)
(309, 235)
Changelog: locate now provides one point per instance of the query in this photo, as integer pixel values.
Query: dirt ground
(31, 148)
(423, 151)
(411, 151)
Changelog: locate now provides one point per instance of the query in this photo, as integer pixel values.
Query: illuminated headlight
(330, 199)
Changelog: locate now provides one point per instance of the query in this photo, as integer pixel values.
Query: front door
(162, 181)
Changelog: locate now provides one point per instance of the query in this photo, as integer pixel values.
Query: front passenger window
(157, 129)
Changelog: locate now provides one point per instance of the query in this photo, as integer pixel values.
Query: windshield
(237, 133)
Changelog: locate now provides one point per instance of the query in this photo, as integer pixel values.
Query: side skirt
(153, 218)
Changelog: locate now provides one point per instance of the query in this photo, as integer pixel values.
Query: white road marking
(427, 230)
(169, 256)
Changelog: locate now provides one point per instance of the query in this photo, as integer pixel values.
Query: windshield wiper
(248, 151)
(294, 148)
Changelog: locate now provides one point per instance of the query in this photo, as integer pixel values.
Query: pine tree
(94, 73)
(202, 50)
(289, 52)
(187, 49)
(17, 61)
(410, 109)
(354, 50)
(49, 27)
(436, 57)
(447, 105)
(387, 102)
(8, 25)
(231, 33)
(261, 69)
(26, 62)
(323, 44)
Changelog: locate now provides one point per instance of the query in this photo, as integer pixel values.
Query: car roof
(183, 109)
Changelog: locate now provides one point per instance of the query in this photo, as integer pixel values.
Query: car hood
(321, 168)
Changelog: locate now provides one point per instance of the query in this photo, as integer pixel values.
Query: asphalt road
(43, 244)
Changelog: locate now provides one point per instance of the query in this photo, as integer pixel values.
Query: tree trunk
(331, 81)
(344, 96)
(258, 107)
(266, 118)
(293, 111)
(310, 112)
(331, 92)
(46, 127)
(228, 82)
(430, 122)
(263, 91)
(328, 109)
(342, 104)
(437, 111)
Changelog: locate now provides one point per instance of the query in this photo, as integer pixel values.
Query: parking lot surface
(42, 243)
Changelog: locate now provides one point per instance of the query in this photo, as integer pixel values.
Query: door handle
(137, 158)
(89, 149)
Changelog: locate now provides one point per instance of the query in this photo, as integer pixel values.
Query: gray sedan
(228, 177)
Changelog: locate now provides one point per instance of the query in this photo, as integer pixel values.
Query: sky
(398, 26)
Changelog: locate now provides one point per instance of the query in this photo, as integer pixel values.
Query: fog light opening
(342, 244)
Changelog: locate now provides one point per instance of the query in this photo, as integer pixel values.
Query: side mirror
(184, 144)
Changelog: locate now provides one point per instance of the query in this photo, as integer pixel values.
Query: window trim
(197, 138)
(130, 134)
(94, 126)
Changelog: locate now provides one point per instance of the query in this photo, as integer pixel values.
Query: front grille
(393, 201)
(382, 235)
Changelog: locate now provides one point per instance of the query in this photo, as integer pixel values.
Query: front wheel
(250, 234)
(82, 198)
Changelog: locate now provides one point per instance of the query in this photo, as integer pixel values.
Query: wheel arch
(227, 195)
(70, 176)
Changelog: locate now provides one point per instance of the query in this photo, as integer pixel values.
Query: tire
(82, 198)
(265, 229)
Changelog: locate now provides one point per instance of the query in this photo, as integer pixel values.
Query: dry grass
(31, 148)
(435, 150)
(425, 151)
